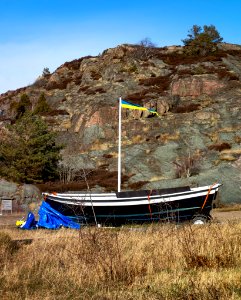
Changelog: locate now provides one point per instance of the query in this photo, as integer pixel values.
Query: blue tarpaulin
(30, 222)
(49, 218)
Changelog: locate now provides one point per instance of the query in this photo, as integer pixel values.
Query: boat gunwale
(132, 201)
(93, 197)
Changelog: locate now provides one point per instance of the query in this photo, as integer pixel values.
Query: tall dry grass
(154, 262)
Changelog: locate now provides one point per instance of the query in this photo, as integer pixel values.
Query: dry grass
(153, 262)
(229, 207)
(232, 151)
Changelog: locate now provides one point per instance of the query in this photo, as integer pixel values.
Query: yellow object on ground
(19, 223)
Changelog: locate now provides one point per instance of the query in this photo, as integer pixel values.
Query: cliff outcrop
(196, 140)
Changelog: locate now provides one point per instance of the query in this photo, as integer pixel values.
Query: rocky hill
(196, 140)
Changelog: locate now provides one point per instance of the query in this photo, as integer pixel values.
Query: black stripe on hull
(177, 210)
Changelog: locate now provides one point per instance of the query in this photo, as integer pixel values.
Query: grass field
(152, 262)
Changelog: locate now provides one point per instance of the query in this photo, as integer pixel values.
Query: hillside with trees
(69, 119)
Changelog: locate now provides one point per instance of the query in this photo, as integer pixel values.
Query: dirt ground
(8, 219)
(226, 216)
(218, 216)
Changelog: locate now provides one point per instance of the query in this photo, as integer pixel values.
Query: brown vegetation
(219, 147)
(74, 64)
(137, 97)
(137, 185)
(94, 91)
(95, 75)
(183, 59)
(61, 85)
(154, 262)
(100, 177)
(188, 165)
(160, 81)
(77, 80)
(185, 108)
(222, 73)
(56, 112)
(234, 52)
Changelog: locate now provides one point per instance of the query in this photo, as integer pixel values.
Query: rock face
(21, 195)
(196, 86)
(196, 140)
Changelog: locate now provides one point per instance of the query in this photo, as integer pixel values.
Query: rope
(149, 206)
(209, 191)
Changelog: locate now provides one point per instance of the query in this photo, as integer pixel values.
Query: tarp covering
(49, 218)
(52, 219)
(30, 222)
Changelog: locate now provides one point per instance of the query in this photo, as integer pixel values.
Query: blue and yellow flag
(128, 105)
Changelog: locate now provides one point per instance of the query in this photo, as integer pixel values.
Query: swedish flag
(128, 105)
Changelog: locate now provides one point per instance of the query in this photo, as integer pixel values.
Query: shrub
(137, 185)
(132, 69)
(56, 112)
(23, 106)
(29, 153)
(187, 166)
(101, 177)
(144, 50)
(75, 64)
(61, 85)
(163, 81)
(46, 72)
(94, 91)
(137, 97)
(220, 147)
(95, 75)
(42, 105)
(202, 41)
(175, 59)
(185, 108)
(77, 80)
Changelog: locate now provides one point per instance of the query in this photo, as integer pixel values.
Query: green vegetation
(42, 106)
(28, 154)
(46, 72)
(202, 41)
(23, 106)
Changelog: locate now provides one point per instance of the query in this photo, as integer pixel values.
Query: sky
(38, 34)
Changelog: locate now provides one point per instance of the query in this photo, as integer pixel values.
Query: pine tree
(46, 72)
(24, 105)
(42, 105)
(29, 153)
(202, 41)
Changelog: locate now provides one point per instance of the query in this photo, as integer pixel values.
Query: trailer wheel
(200, 220)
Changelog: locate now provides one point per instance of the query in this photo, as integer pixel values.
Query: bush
(29, 153)
(202, 41)
(219, 147)
(42, 105)
(185, 108)
(187, 166)
(23, 106)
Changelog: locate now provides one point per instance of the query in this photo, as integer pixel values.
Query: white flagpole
(119, 149)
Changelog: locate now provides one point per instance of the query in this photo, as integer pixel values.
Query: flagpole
(119, 149)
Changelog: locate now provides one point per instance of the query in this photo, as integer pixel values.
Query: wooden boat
(171, 204)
